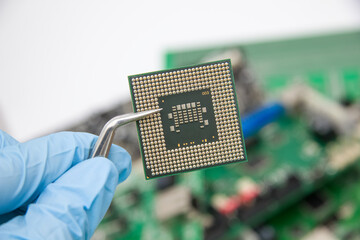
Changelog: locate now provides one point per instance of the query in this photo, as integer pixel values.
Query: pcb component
(199, 125)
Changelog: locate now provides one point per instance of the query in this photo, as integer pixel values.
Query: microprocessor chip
(199, 125)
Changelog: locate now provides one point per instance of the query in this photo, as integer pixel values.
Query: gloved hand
(48, 191)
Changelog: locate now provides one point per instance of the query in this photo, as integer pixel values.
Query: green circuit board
(297, 191)
(328, 63)
(333, 208)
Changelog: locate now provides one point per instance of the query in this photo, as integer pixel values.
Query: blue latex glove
(47, 191)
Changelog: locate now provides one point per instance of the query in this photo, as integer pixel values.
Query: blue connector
(258, 119)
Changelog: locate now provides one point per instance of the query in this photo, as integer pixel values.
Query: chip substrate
(199, 125)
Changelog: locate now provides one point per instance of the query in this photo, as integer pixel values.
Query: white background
(62, 60)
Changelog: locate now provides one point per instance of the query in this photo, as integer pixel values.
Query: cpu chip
(199, 125)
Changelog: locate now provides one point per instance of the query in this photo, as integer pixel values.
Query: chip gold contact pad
(199, 125)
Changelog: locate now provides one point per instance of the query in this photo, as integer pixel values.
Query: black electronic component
(271, 196)
(346, 102)
(261, 203)
(315, 200)
(291, 185)
(322, 128)
(252, 141)
(165, 182)
(218, 227)
(256, 162)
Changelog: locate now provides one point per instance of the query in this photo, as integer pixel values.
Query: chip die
(199, 125)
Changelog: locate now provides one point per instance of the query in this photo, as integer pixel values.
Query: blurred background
(64, 66)
(62, 61)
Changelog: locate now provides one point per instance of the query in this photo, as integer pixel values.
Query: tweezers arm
(103, 144)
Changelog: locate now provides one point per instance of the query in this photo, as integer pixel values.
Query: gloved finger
(7, 216)
(27, 168)
(72, 206)
(6, 140)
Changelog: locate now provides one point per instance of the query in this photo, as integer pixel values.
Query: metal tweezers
(103, 144)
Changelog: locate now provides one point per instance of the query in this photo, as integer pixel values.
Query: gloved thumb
(73, 206)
